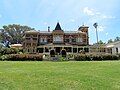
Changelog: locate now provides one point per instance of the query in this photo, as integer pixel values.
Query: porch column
(72, 49)
(43, 49)
(77, 49)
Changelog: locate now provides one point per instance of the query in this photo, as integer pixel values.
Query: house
(58, 39)
(113, 48)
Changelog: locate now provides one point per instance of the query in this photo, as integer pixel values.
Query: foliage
(70, 56)
(110, 41)
(0, 36)
(99, 42)
(4, 57)
(95, 57)
(63, 59)
(14, 33)
(5, 50)
(25, 57)
(117, 39)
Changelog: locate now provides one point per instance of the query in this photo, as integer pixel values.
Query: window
(48, 40)
(28, 50)
(34, 38)
(86, 49)
(27, 35)
(73, 40)
(43, 40)
(58, 38)
(67, 40)
(46, 49)
(80, 40)
(27, 38)
(34, 35)
(28, 44)
(68, 49)
(74, 50)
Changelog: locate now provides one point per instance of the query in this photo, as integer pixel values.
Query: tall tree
(110, 41)
(117, 39)
(99, 42)
(14, 33)
(0, 36)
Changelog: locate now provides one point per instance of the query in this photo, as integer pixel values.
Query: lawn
(71, 75)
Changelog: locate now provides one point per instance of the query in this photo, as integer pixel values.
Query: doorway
(57, 49)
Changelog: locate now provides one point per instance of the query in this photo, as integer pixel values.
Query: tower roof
(58, 27)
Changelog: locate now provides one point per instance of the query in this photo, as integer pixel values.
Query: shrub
(4, 51)
(23, 57)
(4, 57)
(80, 57)
(95, 57)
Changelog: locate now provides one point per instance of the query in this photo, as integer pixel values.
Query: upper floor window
(43, 40)
(80, 40)
(74, 40)
(58, 39)
(67, 40)
(34, 35)
(27, 35)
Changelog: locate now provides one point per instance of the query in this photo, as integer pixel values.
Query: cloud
(107, 17)
(89, 12)
(45, 23)
(95, 14)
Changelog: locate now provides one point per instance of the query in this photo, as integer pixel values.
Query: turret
(84, 29)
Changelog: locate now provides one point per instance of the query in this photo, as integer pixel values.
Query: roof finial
(57, 21)
(83, 24)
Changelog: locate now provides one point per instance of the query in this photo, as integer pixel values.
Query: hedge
(22, 57)
(95, 57)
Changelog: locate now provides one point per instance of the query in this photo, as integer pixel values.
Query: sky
(71, 14)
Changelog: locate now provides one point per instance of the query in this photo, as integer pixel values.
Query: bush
(4, 51)
(95, 57)
(4, 57)
(23, 57)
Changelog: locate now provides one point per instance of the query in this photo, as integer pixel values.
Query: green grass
(60, 75)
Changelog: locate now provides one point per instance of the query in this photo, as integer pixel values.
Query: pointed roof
(58, 27)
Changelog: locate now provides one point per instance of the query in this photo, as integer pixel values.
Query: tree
(0, 37)
(110, 41)
(99, 42)
(117, 39)
(14, 33)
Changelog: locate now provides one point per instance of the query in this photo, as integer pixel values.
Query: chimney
(48, 28)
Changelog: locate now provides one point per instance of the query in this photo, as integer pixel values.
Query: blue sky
(40, 14)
